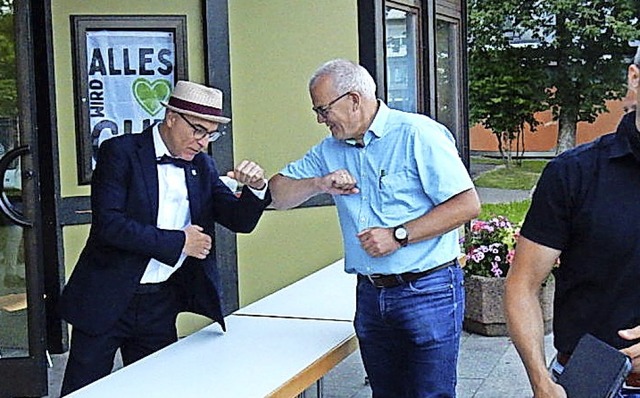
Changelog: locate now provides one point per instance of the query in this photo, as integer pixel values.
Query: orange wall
(544, 139)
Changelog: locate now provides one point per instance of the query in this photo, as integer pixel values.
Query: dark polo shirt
(587, 204)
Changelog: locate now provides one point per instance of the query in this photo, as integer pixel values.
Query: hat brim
(213, 118)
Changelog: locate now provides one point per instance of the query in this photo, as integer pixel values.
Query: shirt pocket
(399, 194)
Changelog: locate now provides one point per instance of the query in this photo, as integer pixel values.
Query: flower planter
(484, 311)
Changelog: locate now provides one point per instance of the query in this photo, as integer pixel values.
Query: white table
(258, 357)
(328, 294)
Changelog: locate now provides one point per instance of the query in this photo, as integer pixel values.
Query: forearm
(117, 217)
(240, 214)
(526, 329)
(531, 265)
(287, 192)
(445, 217)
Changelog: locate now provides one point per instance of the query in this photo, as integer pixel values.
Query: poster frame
(80, 25)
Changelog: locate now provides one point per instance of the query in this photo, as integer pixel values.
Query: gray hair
(346, 76)
(636, 59)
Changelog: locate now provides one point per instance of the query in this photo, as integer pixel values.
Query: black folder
(595, 370)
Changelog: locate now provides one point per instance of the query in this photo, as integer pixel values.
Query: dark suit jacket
(124, 236)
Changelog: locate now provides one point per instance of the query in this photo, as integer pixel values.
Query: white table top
(210, 363)
(329, 293)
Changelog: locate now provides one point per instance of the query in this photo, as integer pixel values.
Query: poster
(129, 74)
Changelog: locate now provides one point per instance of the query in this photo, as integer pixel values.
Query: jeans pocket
(443, 295)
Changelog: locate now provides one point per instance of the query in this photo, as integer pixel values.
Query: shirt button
(362, 219)
(364, 198)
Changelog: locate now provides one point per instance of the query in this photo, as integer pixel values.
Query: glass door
(22, 320)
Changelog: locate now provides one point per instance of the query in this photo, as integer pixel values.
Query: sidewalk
(488, 367)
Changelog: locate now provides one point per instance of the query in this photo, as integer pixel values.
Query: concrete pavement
(488, 367)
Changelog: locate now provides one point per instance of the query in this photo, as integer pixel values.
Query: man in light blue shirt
(401, 192)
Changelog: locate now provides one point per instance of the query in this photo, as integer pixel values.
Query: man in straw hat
(155, 198)
(584, 211)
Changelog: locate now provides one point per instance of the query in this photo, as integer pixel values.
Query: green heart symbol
(149, 94)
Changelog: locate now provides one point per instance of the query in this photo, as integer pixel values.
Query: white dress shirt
(173, 208)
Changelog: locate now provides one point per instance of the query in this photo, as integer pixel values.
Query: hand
(249, 173)
(378, 242)
(550, 390)
(196, 244)
(340, 182)
(633, 351)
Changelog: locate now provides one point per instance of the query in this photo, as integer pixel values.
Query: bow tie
(165, 159)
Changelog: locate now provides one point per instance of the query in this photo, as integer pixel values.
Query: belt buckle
(372, 279)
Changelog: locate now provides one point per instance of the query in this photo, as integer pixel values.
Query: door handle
(7, 208)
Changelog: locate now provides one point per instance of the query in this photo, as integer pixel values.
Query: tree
(583, 46)
(506, 89)
(8, 90)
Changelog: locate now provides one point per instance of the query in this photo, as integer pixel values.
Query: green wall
(275, 46)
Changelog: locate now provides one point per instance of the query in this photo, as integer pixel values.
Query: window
(403, 55)
(448, 74)
(415, 50)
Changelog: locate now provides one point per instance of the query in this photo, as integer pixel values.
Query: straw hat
(197, 100)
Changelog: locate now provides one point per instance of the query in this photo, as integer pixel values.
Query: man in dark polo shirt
(586, 211)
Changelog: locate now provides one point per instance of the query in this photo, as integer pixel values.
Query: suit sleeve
(237, 214)
(120, 210)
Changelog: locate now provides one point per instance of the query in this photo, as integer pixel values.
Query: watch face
(400, 233)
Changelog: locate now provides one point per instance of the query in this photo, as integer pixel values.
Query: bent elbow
(278, 204)
(473, 205)
(285, 193)
(474, 211)
(246, 229)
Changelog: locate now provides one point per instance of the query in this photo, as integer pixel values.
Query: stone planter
(484, 311)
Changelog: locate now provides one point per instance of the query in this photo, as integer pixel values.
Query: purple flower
(477, 255)
(489, 247)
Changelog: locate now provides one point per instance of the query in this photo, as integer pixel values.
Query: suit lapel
(192, 177)
(147, 158)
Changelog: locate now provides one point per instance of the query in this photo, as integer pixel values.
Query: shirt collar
(158, 144)
(621, 146)
(380, 120)
(377, 126)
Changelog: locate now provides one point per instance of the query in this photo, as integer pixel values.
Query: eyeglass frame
(323, 110)
(199, 132)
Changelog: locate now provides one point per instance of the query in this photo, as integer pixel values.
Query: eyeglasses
(199, 132)
(324, 110)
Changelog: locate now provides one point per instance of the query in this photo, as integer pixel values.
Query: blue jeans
(409, 335)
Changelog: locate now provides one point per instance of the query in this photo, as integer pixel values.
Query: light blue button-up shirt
(409, 164)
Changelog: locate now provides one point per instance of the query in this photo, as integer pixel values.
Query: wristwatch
(401, 235)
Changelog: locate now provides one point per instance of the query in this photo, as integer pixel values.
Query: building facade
(261, 54)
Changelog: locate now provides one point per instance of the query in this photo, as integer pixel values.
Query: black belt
(393, 280)
(148, 288)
